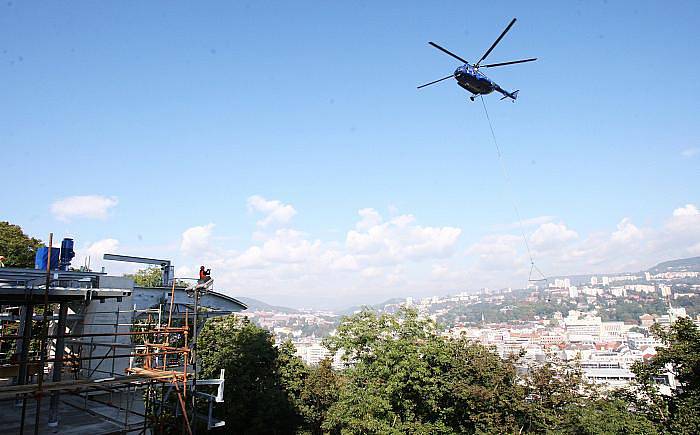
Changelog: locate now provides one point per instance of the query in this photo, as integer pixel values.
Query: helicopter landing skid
(473, 97)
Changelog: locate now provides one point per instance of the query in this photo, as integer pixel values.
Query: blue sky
(166, 116)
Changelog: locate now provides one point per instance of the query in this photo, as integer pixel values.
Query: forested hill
(380, 306)
(257, 305)
(681, 265)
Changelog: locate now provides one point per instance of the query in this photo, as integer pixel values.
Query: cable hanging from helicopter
(474, 81)
(534, 270)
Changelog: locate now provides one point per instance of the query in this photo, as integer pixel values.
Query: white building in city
(638, 341)
(573, 292)
(665, 290)
(587, 325)
(612, 330)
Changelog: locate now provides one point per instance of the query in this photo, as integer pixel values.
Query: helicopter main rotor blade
(444, 50)
(432, 83)
(508, 63)
(496, 42)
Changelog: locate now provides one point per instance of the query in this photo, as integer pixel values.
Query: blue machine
(60, 257)
(42, 258)
(67, 253)
(471, 79)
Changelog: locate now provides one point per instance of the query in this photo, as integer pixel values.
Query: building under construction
(86, 352)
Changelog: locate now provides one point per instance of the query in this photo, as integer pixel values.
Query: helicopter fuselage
(473, 80)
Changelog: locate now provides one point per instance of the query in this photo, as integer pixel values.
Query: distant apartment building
(624, 278)
(673, 315)
(577, 325)
(665, 290)
(639, 341)
(562, 283)
(684, 295)
(641, 288)
(618, 292)
(611, 377)
(612, 330)
(591, 291)
(676, 275)
(551, 338)
(313, 353)
(573, 292)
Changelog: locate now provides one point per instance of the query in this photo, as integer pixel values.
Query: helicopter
(470, 78)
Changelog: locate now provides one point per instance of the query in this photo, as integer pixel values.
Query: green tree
(605, 417)
(406, 378)
(256, 401)
(559, 400)
(149, 277)
(679, 356)
(320, 391)
(18, 248)
(552, 391)
(292, 373)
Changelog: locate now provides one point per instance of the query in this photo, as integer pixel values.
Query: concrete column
(58, 364)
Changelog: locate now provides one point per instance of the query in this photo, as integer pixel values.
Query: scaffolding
(118, 369)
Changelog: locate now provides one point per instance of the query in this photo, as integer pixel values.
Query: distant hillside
(256, 305)
(350, 310)
(682, 265)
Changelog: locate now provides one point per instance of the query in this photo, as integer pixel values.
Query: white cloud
(83, 206)
(375, 256)
(694, 250)
(398, 239)
(92, 253)
(101, 247)
(690, 152)
(185, 272)
(275, 211)
(684, 225)
(381, 257)
(439, 270)
(370, 217)
(496, 252)
(626, 231)
(550, 235)
(688, 210)
(530, 222)
(289, 246)
(196, 240)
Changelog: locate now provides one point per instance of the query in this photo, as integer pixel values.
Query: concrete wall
(103, 317)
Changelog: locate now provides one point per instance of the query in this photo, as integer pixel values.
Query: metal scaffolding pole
(25, 332)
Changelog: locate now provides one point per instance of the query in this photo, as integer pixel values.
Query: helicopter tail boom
(512, 95)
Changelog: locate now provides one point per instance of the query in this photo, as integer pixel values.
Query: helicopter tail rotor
(513, 95)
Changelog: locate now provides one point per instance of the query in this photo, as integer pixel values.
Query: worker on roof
(204, 282)
(204, 274)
